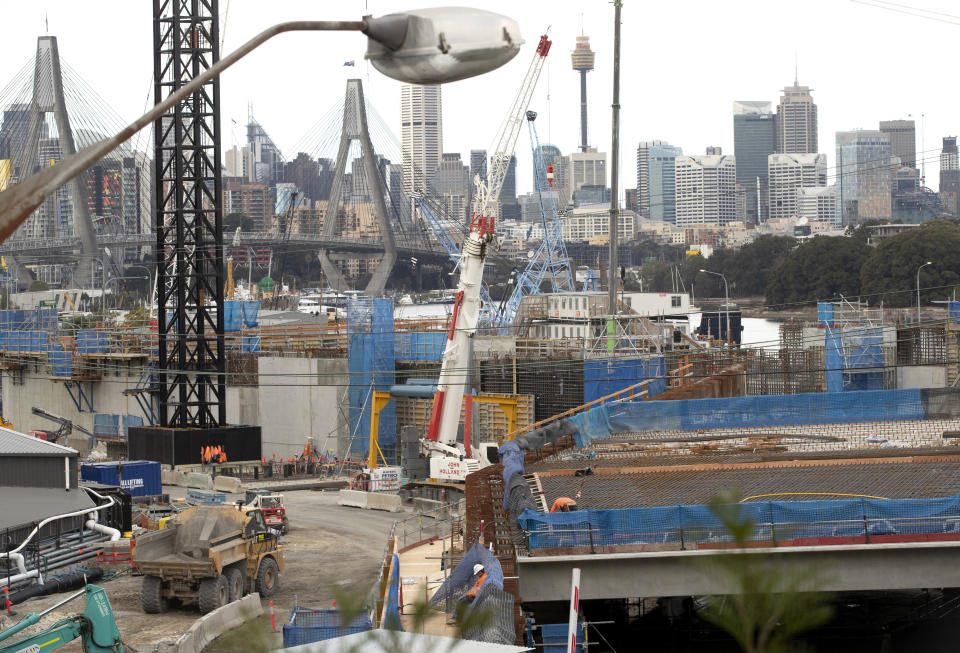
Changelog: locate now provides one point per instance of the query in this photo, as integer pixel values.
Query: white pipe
(19, 577)
(16, 552)
(101, 528)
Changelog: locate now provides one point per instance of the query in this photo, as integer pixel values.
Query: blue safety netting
(604, 377)
(825, 313)
(554, 637)
(780, 522)
(744, 412)
(92, 341)
(854, 359)
(391, 620)
(306, 626)
(416, 346)
(372, 364)
(61, 363)
(238, 315)
(25, 341)
(953, 308)
(461, 577)
(40, 319)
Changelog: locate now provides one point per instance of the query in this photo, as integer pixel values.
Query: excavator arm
(96, 628)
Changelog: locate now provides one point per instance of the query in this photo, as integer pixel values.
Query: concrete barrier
(210, 626)
(168, 477)
(380, 501)
(198, 481)
(227, 484)
(352, 498)
(431, 507)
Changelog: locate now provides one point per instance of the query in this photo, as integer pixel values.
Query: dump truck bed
(198, 544)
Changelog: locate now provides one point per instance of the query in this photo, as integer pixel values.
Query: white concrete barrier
(168, 477)
(198, 481)
(380, 501)
(227, 484)
(352, 498)
(210, 626)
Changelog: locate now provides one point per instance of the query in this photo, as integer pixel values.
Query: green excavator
(96, 628)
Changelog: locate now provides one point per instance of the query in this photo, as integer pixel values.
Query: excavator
(66, 427)
(96, 628)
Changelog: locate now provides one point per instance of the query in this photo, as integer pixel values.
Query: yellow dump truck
(209, 554)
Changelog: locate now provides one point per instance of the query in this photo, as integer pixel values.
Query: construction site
(572, 467)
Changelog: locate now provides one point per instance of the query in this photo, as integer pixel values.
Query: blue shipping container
(140, 478)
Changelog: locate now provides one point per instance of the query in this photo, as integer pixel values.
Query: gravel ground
(327, 545)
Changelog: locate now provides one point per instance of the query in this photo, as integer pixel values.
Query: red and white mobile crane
(448, 461)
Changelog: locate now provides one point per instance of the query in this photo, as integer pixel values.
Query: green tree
(771, 604)
(820, 269)
(890, 271)
(749, 269)
(38, 286)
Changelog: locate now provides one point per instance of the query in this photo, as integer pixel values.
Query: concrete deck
(856, 567)
(420, 576)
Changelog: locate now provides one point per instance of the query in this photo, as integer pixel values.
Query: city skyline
(474, 108)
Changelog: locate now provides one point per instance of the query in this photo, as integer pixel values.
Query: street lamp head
(702, 270)
(441, 44)
(929, 263)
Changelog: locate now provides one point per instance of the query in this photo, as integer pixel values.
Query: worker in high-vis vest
(563, 504)
(481, 577)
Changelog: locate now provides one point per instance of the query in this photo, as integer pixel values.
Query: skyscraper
(643, 176)
(863, 165)
(421, 134)
(451, 182)
(589, 167)
(903, 140)
(550, 155)
(796, 121)
(509, 207)
(662, 186)
(754, 139)
(705, 190)
(788, 173)
(478, 164)
(950, 175)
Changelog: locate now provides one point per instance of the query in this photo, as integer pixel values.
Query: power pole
(614, 160)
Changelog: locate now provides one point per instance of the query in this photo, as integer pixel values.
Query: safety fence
(759, 411)
(861, 520)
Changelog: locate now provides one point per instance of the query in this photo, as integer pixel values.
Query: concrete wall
(921, 376)
(36, 389)
(302, 397)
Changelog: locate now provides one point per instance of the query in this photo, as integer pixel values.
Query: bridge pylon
(355, 129)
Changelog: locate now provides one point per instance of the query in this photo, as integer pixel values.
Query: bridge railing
(595, 532)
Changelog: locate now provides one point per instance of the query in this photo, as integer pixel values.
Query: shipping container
(138, 477)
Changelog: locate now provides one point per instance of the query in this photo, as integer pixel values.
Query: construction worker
(481, 577)
(563, 504)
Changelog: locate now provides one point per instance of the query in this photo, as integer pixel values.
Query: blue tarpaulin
(604, 377)
(371, 363)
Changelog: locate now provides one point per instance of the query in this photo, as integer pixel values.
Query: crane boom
(446, 459)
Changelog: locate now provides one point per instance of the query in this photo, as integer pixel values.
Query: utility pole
(614, 161)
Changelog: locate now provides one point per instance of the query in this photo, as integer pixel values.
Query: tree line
(789, 272)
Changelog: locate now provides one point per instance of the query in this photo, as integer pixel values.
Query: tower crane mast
(447, 461)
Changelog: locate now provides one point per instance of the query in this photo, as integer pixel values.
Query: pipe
(76, 513)
(106, 530)
(16, 578)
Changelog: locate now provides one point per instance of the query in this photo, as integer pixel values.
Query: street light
(426, 46)
(918, 289)
(726, 291)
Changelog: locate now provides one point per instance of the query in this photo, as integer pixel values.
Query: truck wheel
(235, 582)
(268, 577)
(213, 593)
(151, 595)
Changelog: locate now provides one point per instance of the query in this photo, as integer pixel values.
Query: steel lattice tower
(189, 228)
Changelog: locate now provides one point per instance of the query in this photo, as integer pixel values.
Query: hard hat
(477, 568)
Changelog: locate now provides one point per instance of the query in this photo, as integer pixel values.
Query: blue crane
(550, 260)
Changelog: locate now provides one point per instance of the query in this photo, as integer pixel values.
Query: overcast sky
(683, 64)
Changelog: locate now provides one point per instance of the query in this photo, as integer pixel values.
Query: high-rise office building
(705, 190)
(796, 121)
(450, 183)
(662, 186)
(788, 173)
(551, 153)
(421, 134)
(903, 140)
(754, 139)
(589, 168)
(643, 176)
(950, 175)
(478, 164)
(863, 171)
(714, 150)
(509, 207)
(817, 203)
(265, 164)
